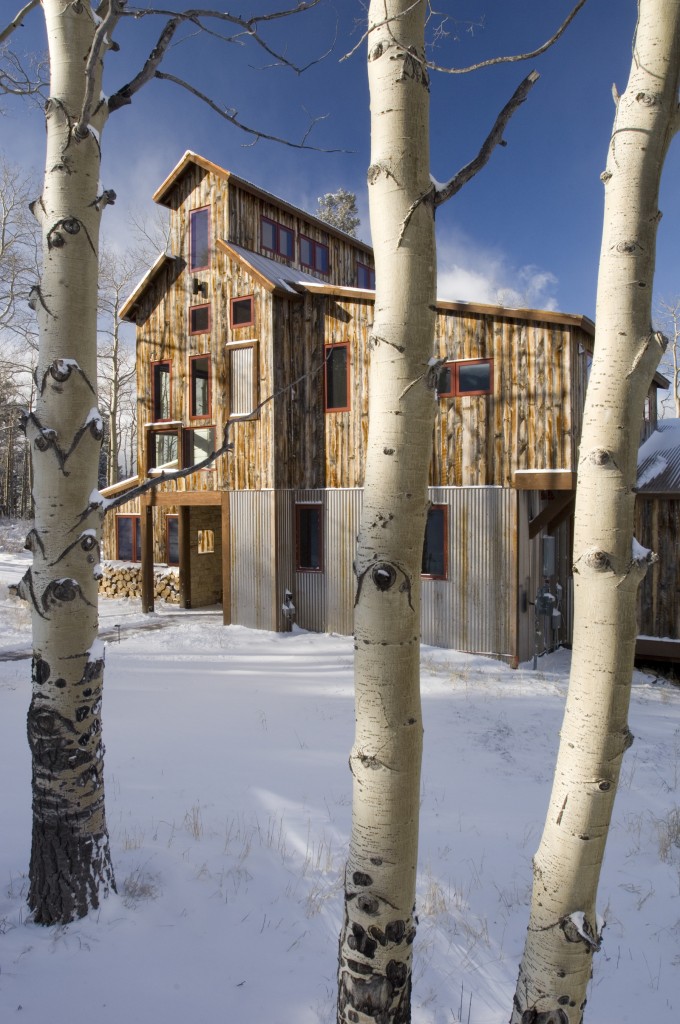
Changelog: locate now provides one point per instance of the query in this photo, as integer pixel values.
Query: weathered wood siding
(533, 418)
(346, 433)
(657, 527)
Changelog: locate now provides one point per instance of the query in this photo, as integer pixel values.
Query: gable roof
(165, 189)
(659, 460)
(128, 311)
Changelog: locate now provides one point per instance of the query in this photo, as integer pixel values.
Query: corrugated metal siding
(475, 608)
(254, 602)
(343, 516)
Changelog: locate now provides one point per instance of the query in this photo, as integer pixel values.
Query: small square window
(275, 238)
(314, 254)
(198, 445)
(308, 538)
(206, 542)
(337, 378)
(435, 547)
(242, 312)
(199, 319)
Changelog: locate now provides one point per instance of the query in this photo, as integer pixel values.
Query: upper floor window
(365, 276)
(276, 238)
(199, 239)
(242, 371)
(163, 448)
(199, 443)
(200, 385)
(199, 319)
(466, 377)
(337, 378)
(242, 312)
(160, 388)
(435, 547)
(314, 254)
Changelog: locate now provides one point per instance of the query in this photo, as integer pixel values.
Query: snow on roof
(282, 276)
(659, 460)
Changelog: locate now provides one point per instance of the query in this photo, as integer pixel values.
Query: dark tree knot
(384, 576)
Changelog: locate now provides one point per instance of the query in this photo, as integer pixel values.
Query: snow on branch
(493, 139)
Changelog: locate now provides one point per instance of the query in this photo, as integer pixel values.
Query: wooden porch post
(226, 561)
(184, 543)
(146, 524)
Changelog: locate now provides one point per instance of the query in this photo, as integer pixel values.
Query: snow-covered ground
(228, 799)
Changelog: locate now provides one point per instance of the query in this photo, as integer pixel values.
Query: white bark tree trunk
(563, 930)
(70, 867)
(379, 924)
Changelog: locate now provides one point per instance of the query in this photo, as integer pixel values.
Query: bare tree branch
(232, 117)
(493, 139)
(16, 21)
(101, 39)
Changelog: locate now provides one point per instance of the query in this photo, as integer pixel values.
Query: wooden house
(258, 324)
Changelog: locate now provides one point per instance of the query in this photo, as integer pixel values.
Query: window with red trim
(242, 311)
(161, 378)
(199, 239)
(435, 544)
(128, 538)
(309, 538)
(314, 255)
(199, 319)
(199, 377)
(365, 276)
(466, 377)
(336, 378)
(276, 238)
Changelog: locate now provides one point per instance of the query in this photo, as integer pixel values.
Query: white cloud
(471, 272)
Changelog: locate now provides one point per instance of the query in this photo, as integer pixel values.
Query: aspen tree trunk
(379, 924)
(563, 930)
(70, 867)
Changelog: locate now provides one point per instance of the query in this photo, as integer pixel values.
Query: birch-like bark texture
(375, 953)
(70, 868)
(564, 931)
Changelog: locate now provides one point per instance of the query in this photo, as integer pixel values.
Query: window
(200, 385)
(128, 538)
(199, 319)
(314, 254)
(337, 377)
(466, 377)
(308, 538)
(242, 312)
(206, 542)
(276, 238)
(199, 239)
(198, 445)
(243, 369)
(435, 547)
(160, 385)
(365, 276)
(172, 540)
(163, 448)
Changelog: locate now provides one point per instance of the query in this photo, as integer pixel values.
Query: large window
(198, 445)
(199, 239)
(275, 238)
(309, 538)
(435, 547)
(242, 314)
(128, 539)
(163, 449)
(337, 378)
(243, 377)
(365, 276)
(199, 319)
(466, 377)
(199, 386)
(161, 393)
(314, 254)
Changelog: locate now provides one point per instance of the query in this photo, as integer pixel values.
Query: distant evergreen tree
(339, 209)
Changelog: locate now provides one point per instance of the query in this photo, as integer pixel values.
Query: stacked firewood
(124, 579)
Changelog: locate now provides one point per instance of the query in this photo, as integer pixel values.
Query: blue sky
(527, 228)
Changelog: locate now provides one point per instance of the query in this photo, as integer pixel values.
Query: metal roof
(659, 460)
(280, 275)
